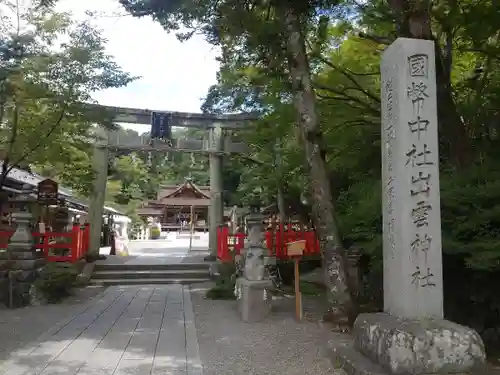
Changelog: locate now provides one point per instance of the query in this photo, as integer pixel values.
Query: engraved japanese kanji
(421, 243)
(417, 93)
(418, 65)
(417, 158)
(421, 182)
(420, 214)
(423, 279)
(418, 126)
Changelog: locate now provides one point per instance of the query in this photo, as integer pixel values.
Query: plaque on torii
(161, 128)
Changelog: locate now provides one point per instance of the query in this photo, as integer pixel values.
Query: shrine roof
(174, 191)
(178, 202)
(148, 211)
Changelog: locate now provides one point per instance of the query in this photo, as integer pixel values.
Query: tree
(272, 34)
(50, 67)
(132, 173)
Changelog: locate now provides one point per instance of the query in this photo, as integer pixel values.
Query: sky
(175, 76)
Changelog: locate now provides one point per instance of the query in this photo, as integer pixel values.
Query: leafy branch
(341, 94)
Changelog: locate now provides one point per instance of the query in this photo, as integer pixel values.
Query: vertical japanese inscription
(389, 189)
(419, 157)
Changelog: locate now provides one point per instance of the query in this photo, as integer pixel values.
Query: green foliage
(91, 257)
(50, 68)
(308, 288)
(225, 283)
(223, 290)
(470, 216)
(56, 281)
(155, 233)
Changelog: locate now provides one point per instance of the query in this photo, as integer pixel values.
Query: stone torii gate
(215, 146)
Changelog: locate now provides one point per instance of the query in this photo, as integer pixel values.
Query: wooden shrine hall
(176, 203)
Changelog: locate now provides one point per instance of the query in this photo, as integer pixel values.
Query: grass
(308, 288)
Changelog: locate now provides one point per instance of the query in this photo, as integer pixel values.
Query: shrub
(56, 281)
(225, 283)
(92, 257)
(155, 233)
(223, 290)
(287, 271)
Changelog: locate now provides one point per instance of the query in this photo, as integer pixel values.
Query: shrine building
(175, 204)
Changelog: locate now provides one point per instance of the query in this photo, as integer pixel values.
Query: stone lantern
(253, 289)
(21, 250)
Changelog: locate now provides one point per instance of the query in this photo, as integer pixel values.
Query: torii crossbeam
(215, 148)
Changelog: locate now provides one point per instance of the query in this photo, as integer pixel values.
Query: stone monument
(252, 289)
(410, 336)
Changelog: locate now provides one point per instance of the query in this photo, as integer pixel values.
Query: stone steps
(121, 281)
(150, 274)
(153, 266)
(142, 274)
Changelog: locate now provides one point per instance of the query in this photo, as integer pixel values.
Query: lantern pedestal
(254, 299)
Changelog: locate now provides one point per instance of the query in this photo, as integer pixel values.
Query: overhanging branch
(377, 39)
(342, 95)
(349, 75)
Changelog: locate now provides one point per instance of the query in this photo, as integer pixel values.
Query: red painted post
(240, 243)
(219, 243)
(75, 243)
(45, 245)
(225, 244)
(269, 241)
(86, 234)
(279, 241)
(222, 244)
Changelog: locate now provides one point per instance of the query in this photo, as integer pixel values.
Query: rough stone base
(384, 344)
(255, 299)
(345, 357)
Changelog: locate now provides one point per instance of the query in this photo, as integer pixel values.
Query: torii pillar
(100, 161)
(216, 210)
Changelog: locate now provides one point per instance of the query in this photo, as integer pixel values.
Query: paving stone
(170, 357)
(193, 361)
(135, 366)
(73, 357)
(133, 330)
(107, 355)
(145, 338)
(36, 356)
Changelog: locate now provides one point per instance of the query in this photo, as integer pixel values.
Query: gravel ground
(277, 346)
(18, 327)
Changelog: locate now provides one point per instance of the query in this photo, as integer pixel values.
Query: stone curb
(194, 365)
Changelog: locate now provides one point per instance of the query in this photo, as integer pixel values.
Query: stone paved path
(129, 330)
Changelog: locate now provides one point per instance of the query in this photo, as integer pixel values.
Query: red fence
(72, 245)
(230, 245)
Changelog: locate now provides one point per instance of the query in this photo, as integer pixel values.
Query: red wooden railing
(77, 247)
(229, 245)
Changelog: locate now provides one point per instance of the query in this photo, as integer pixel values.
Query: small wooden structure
(177, 206)
(295, 251)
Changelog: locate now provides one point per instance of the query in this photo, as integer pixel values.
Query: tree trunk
(281, 203)
(341, 302)
(282, 211)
